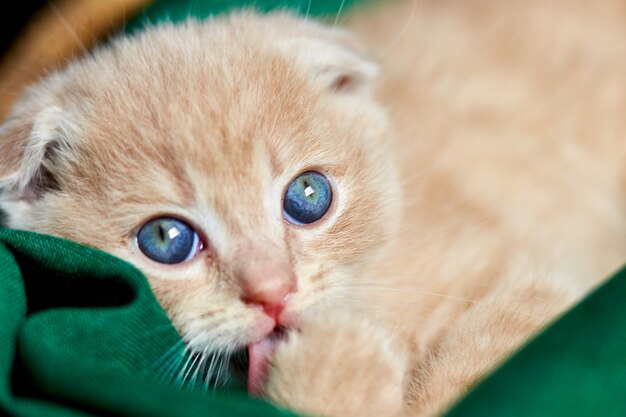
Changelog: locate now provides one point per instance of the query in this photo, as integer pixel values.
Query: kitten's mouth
(259, 355)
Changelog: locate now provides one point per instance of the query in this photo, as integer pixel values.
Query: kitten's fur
(493, 199)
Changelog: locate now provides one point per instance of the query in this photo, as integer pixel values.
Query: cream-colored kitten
(377, 237)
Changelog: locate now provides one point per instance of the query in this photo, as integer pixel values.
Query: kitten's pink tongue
(258, 356)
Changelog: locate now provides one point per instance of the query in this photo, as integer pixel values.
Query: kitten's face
(210, 124)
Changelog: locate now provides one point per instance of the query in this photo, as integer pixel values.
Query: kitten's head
(242, 164)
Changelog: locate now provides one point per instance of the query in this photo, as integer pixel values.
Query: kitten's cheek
(290, 319)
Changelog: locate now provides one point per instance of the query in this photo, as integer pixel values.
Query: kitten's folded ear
(336, 65)
(34, 133)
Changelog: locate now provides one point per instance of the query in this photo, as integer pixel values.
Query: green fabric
(81, 334)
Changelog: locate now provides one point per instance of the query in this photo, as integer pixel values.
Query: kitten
(377, 236)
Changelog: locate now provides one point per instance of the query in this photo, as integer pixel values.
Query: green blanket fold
(82, 334)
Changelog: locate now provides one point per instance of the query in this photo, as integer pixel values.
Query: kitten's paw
(339, 366)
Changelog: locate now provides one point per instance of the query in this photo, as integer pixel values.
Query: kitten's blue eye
(168, 240)
(308, 198)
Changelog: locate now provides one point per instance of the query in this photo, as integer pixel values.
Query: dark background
(14, 17)
(12, 20)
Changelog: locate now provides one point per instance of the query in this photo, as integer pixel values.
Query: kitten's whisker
(189, 7)
(194, 377)
(164, 358)
(343, 2)
(204, 374)
(411, 281)
(189, 367)
(170, 367)
(171, 371)
(227, 369)
(384, 311)
(197, 357)
(67, 25)
(221, 360)
(26, 71)
(179, 380)
(171, 377)
(407, 23)
(308, 10)
(211, 369)
(443, 296)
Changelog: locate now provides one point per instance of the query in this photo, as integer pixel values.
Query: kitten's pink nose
(266, 284)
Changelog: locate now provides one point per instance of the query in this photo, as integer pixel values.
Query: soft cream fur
(491, 200)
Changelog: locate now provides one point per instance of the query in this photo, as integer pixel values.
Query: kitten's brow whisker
(189, 7)
(343, 2)
(66, 25)
(308, 10)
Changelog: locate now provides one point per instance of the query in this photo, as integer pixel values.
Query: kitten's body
(496, 201)
(510, 125)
